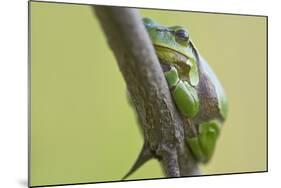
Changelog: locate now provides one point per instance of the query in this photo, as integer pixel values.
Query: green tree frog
(194, 87)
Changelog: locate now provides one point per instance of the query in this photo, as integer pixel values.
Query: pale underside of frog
(196, 91)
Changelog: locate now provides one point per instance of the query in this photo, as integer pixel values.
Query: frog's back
(213, 102)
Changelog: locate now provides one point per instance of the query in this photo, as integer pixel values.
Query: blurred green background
(82, 128)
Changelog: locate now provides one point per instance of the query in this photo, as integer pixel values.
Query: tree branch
(161, 123)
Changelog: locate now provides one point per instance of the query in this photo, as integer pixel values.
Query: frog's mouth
(169, 57)
(170, 54)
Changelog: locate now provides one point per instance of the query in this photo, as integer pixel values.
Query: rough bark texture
(161, 123)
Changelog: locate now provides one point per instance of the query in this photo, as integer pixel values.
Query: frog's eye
(182, 37)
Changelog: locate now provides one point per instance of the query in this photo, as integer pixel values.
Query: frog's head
(173, 46)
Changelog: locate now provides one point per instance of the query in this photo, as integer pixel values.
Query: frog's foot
(203, 145)
(143, 157)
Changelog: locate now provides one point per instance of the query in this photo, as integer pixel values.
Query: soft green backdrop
(83, 130)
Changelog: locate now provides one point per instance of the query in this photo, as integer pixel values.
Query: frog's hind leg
(196, 149)
(208, 134)
(143, 157)
(203, 145)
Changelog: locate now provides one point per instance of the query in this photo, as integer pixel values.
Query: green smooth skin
(182, 78)
(184, 95)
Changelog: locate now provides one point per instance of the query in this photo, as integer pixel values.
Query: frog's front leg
(184, 95)
(187, 101)
(203, 145)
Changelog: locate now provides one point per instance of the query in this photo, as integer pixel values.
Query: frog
(195, 89)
